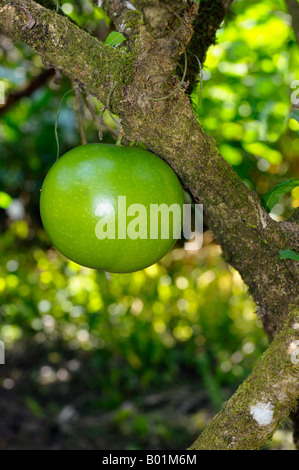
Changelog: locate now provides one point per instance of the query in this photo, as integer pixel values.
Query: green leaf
(5, 200)
(115, 39)
(289, 254)
(270, 199)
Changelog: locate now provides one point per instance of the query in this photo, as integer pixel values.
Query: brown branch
(263, 401)
(293, 7)
(27, 90)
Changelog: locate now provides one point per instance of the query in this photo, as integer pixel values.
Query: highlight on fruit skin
(113, 208)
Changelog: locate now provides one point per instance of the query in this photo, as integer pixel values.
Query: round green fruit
(88, 207)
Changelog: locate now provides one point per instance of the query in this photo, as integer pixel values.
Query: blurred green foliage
(139, 360)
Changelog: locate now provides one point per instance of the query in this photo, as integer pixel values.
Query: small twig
(78, 109)
(176, 89)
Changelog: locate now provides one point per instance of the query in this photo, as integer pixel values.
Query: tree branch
(64, 46)
(293, 7)
(263, 401)
(27, 90)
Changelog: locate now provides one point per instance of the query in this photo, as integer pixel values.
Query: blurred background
(142, 360)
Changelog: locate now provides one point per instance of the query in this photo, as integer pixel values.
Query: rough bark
(250, 239)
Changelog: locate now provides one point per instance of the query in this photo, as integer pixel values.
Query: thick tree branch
(293, 7)
(27, 90)
(263, 401)
(64, 46)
